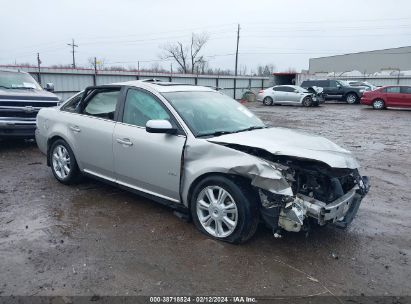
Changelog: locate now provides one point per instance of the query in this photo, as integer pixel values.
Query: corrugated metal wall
(69, 81)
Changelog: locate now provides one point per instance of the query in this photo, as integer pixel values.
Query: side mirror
(49, 87)
(160, 126)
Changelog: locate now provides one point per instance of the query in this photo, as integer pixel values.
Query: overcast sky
(283, 33)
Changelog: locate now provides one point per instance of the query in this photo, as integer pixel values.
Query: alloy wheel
(61, 161)
(217, 211)
(268, 101)
(351, 99)
(378, 104)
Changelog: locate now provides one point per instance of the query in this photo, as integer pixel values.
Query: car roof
(164, 86)
(287, 85)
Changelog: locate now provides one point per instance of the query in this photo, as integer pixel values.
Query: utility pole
(236, 60)
(95, 65)
(236, 52)
(38, 68)
(95, 71)
(73, 45)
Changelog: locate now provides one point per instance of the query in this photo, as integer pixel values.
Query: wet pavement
(96, 239)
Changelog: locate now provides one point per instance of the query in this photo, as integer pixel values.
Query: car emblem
(29, 109)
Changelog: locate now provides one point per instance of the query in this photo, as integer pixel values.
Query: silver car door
(286, 95)
(148, 162)
(279, 94)
(91, 132)
(295, 96)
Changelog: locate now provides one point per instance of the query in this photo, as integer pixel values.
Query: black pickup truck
(336, 89)
(21, 97)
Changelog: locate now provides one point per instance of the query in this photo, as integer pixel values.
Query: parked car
(389, 96)
(203, 153)
(364, 84)
(290, 94)
(21, 97)
(336, 89)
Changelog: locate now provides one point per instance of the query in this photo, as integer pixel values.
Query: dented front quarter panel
(222, 155)
(202, 157)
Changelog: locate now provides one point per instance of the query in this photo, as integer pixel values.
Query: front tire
(268, 101)
(351, 98)
(378, 104)
(223, 210)
(307, 101)
(63, 163)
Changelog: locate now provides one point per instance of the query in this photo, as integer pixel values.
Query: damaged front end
(322, 195)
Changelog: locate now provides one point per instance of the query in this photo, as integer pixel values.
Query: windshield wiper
(250, 129)
(2, 86)
(216, 133)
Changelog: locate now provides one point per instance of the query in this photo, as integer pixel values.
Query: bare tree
(266, 70)
(99, 62)
(187, 56)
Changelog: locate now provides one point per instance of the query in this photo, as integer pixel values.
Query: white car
(288, 94)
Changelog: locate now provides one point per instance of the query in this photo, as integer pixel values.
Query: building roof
(381, 51)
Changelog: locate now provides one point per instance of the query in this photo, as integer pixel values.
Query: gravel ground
(96, 239)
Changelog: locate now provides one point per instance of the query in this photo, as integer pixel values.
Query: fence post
(216, 83)
(262, 84)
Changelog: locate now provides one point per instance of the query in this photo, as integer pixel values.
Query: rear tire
(378, 104)
(225, 210)
(351, 98)
(63, 163)
(268, 101)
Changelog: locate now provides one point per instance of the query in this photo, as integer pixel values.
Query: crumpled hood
(282, 141)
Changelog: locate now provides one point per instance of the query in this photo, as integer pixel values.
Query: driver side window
(141, 107)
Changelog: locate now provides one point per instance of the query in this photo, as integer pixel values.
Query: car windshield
(212, 113)
(16, 80)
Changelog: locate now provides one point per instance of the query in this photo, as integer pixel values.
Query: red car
(389, 96)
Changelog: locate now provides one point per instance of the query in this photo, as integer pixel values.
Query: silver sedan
(204, 154)
(288, 95)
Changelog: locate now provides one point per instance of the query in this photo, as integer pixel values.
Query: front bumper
(318, 99)
(366, 101)
(10, 127)
(340, 212)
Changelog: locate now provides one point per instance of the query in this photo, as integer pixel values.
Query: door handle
(124, 141)
(75, 129)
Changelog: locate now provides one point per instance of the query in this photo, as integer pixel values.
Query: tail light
(261, 91)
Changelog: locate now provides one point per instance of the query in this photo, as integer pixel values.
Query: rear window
(317, 83)
(406, 90)
(306, 83)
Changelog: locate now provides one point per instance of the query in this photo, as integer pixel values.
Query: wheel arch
(378, 98)
(50, 142)
(234, 177)
(351, 92)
